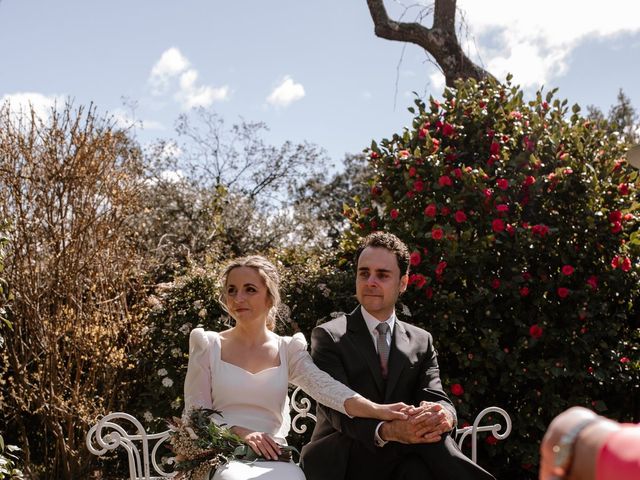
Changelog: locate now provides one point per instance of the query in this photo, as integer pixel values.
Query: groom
(387, 361)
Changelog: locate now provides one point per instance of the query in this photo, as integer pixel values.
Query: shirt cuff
(379, 442)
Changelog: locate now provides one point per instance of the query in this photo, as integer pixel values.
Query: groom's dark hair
(390, 242)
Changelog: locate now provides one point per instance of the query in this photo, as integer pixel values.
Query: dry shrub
(68, 187)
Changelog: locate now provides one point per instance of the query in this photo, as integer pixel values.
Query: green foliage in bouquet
(522, 219)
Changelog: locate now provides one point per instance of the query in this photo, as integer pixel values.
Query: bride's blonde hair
(269, 274)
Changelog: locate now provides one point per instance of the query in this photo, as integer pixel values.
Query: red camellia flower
(374, 155)
(616, 227)
(415, 259)
(592, 281)
(510, 229)
(567, 270)
(623, 189)
(460, 216)
(412, 171)
(440, 268)
(526, 276)
(502, 207)
(624, 263)
(422, 133)
(524, 291)
(535, 331)
(418, 280)
(445, 181)
(497, 225)
(457, 389)
(403, 153)
(418, 185)
(437, 233)
(394, 213)
(502, 183)
(540, 230)
(529, 181)
(624, 360)
(487, 192)
(563, 292)
(445, 211)
(448, 130)
(457, 172)
(428, 292)
(495, 148)
(431, 210)
(615, 216)
(495, 283)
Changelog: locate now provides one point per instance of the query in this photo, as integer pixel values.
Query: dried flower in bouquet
(201, 445)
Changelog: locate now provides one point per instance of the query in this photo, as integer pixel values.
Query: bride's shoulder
(296, 342)
(202, 338)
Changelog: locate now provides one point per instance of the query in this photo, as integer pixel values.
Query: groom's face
(379, 282)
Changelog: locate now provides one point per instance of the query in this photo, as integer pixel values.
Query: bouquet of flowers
(201, 445)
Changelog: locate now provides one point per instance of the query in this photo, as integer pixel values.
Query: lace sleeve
(197, 384)
(317, 383)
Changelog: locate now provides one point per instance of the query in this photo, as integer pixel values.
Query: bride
(244, 373)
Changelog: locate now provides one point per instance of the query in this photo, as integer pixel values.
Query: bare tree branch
(440, 40)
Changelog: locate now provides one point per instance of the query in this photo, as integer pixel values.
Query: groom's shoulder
(414, 330)
(338, 322)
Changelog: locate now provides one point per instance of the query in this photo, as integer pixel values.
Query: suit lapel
(398, 356)
(362, 339)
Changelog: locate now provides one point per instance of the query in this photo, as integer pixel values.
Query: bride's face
(246, 295)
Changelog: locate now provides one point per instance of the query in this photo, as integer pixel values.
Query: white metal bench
(143, 449)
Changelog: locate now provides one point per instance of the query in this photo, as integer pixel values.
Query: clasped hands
(424, 424)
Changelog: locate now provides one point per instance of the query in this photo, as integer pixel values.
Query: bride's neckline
(249, 371)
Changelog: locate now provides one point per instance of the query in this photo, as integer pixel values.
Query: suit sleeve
(430, 386)
(325, 356)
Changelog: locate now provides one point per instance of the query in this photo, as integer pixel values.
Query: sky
(312, 71)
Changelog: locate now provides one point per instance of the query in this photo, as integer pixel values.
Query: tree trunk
(440, 41)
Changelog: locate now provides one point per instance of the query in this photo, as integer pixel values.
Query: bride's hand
(261, 443)
(392, 411)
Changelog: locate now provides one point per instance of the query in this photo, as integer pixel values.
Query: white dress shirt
(372, 322)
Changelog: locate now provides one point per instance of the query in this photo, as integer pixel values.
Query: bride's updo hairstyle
(269, 275)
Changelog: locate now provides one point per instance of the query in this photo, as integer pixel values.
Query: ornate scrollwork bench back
(143, 450)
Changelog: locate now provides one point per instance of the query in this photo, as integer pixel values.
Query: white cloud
(171, 64)
(286, 93)
(193, 95)
(534, 40)
(21, 103)
(174, 69)
(172, 176)
(437, 80)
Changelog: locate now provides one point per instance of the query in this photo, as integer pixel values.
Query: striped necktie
(383, 347)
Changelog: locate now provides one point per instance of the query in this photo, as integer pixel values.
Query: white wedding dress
(257, 401)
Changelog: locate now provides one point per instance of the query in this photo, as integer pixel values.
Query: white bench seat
(143, 449)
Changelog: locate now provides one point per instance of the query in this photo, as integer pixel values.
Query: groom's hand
(432, 421)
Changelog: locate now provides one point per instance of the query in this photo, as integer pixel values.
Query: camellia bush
(522, 219)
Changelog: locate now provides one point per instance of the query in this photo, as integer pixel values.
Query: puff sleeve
(197, 384)
(317, 383)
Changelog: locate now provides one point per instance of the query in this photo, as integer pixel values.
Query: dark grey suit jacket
(344, 348)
